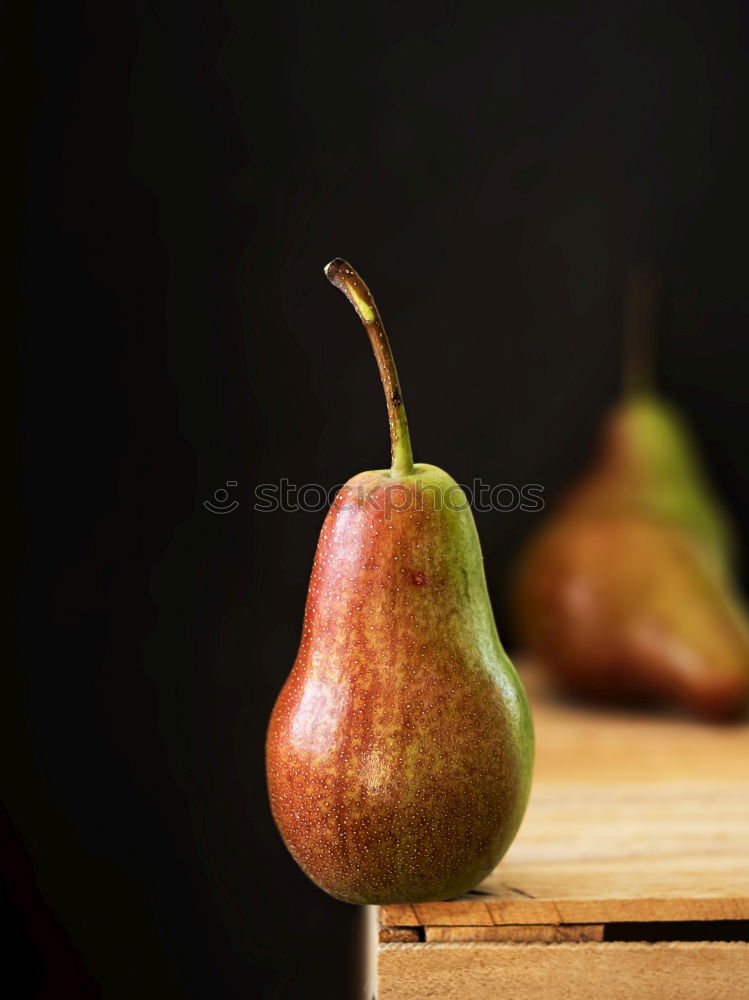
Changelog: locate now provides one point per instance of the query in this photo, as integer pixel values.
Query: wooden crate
(629, 878)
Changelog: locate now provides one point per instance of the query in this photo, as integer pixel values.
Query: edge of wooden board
(499, 912)
(678, 970)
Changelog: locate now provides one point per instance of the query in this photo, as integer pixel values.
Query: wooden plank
(671, 821)
(610, 910)
(604, 745)
(472, 912)
(398, 935)
(593, 853)
(516, 932)
(398, 915)
(631, 890)
(616, 971)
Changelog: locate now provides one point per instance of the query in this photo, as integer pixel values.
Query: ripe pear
(627, 591)
(400, 748)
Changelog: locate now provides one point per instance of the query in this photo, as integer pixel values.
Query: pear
(627, 591)
(623, 605)
(400, 748)
(647, 463)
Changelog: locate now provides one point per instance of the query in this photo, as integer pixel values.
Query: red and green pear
(400, 748)
(627, 590)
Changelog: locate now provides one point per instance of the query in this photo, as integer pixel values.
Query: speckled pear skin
(400, 749)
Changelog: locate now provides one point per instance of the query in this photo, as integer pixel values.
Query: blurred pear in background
(627, 591)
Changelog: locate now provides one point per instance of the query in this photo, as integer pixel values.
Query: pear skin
(400, 748)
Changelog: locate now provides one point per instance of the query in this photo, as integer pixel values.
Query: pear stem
(640, 320)
(341, 274)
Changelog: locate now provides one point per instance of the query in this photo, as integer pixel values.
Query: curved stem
(341, 274)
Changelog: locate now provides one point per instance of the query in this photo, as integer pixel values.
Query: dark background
(177, 176)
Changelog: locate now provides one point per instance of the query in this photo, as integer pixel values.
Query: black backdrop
(185, 171)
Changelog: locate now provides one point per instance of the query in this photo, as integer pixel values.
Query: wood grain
(616, 971)
(549, 933)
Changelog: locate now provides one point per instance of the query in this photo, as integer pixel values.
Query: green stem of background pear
(640, 326)
(341, 274)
